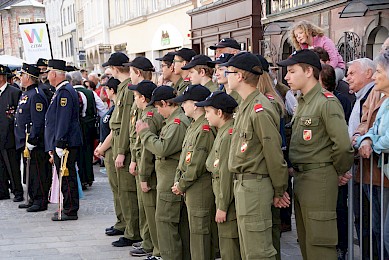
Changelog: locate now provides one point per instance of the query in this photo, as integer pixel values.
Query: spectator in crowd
(84, 74)
(226, 45)
(306, 35)
(89, 85)
(377, 140)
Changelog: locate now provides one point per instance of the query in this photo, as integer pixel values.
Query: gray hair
(366, 64)
(76, 78)
(383, 60)
(68, 77)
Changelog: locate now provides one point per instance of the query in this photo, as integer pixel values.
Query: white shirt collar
(61, 84)
(3, 88)
(361, 93)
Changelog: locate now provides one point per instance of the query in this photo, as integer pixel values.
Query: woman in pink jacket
(305, 35)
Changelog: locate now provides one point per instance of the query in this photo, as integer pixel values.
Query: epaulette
(150, 114)
(37, 90)
(177, 121)
(328, 94)
(187, 79)
(230, 131)
(206, 128)
(258, 108)
(270, 97)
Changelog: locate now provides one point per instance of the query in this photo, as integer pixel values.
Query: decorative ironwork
(349, 46)
(268, 49)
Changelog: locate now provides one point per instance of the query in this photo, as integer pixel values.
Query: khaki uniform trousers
(253, 200)
(113, 182)
(147, 244)
(127, 195)
(200, 200)
(316, 193)
(171, 215)
(228, 230)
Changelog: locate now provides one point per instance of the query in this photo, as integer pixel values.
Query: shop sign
(278, 6)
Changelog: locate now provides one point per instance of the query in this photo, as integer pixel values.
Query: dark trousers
(40, 177)
(286, 213)
(342, 212)
(69, 186)
(11, 157)
(85, 154)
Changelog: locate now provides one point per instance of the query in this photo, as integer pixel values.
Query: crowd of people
(201, 161)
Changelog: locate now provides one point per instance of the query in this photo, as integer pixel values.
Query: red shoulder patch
(150, 114)
(206, 128)
(328, 94)
(258, 108)
(269, 96)
(177, 121)
(187, 79)
(230, 131)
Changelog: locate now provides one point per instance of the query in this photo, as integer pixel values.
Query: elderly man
(226, 45)
(63, 132)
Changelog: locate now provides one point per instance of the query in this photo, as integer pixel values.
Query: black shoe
(124, 242)
(24, 206)
(18, 198)
(64, 217)
(151, 257)
(140, 252)
(137, 245)
(83, 186)
(114, 232)
(108, 229)
(36, 208)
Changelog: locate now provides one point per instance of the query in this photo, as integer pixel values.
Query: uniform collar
(124, 84)
(2, 89)
(309, 96)
(199, 121)
(249, 98)
(227, 125)
(174, 114)
(31, 87)
(61, 84)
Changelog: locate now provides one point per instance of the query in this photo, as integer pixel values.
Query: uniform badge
(177, 121)
(308, 122)
(328, 94)
(258, 107)
(63, 102)
(106, 119)
(243, 148)
(188, 157)
(307, 135)
(216, 163)
(270, 97)
(230, 131)
(39, 107)
(133, 120)
(206, 128)
(150, 114)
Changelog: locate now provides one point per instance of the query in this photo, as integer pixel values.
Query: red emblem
(269, 96)
(243, 148)
(258, 107)
(187, 79)
(206, 128)
(150, 114)
(188, 157)
(328, 94)
(307, 135)
(230, 131)
(177, 121)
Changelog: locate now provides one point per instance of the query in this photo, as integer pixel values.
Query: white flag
(36, 41)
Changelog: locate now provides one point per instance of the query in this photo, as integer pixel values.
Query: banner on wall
(36, 41)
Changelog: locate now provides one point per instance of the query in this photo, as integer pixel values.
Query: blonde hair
(309, 28)
(145, 74)
(266, 86)
(248, 77)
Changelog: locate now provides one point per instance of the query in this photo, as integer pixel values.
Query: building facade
(10, 17)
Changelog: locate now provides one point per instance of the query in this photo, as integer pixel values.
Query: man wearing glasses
(181, 58)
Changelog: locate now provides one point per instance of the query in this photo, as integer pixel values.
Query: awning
(276, 28)
(358, 8)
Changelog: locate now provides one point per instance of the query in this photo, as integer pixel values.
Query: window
(24, 20)
(155, 5)
(168, 3)
(39, 19)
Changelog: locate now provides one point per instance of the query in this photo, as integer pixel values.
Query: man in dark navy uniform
(30, 114)
(9, 160)
(63, 131)
(44, 83)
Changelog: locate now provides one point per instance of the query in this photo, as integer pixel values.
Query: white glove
(59, 152)
(30, 146)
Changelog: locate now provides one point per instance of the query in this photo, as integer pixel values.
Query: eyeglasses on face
(229, 72)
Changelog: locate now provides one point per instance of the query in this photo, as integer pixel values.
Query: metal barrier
(351, 210)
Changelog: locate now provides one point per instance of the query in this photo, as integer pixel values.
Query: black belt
(250, 176)
(309, 166)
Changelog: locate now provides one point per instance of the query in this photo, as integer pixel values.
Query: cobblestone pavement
(34, 236)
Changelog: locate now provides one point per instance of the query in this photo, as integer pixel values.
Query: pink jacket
(336, 61)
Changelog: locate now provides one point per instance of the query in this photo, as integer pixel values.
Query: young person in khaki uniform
(181, 58)
(167, 69)
(140, 69)
(146, 160)
(171, 217)
(321, 154)
(200, 72)
(219, 108)
(256, 159)
(120, 124)
(192, 178)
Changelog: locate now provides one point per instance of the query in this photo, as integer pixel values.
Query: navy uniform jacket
(8, 103)
(31, 110)
(62, 126)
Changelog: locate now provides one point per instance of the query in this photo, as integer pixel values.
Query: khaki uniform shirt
(120, 119)
(256, 142)
(181, 85)
(217, 163)
(212, 86)
(319, 131)
(146, 161)
(195, 149)
(134, 146)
